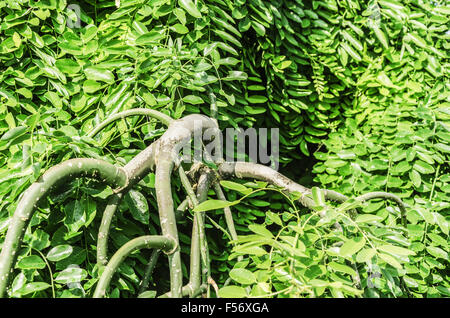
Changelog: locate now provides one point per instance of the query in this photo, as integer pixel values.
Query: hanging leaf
(59, 252)
(31, 262)
(138, 205)
(190, 8)
(352, 246)
(242, 276)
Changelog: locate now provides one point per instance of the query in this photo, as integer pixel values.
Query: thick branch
(179, 132)
(103, 231)
(70, 169)
(244, 170)
(136, 169)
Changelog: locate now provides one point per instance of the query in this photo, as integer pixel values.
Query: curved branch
(70, 169)
(165, 119)
(244, 170)
(227, 212)
(385, 195)
(148, 241)
(103, 231)
(203, 185)
(135, 169)
(178, 134)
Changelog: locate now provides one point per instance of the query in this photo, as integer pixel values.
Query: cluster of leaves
(396, 138)
(405, 151)
(295, 254)
(384, 64)
(307, 67)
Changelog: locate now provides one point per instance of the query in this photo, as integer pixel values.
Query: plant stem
(165, 119)
(149, 241)
(385, 195)
(149, 270)
(103, 232)
(178, 133)
(244, 170)
(49, 270)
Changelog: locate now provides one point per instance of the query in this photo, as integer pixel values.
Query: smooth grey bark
(167, 153)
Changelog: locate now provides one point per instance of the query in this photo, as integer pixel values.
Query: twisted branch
(70, 169)
(162, 157)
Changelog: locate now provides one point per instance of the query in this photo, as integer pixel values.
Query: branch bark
(169, 144)
(149, 241)
(243, 170)
(132, 112)
(70, 169)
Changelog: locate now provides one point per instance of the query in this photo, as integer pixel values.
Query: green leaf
(257, 99)
(99, 74)
(14, 133)
(212, 205)
(318, 196)
(138, 205)
(59, 252)
(274, 218)
(54, 99)
(250, 250)
(31, 262)
(437, 252)
(32, 288)
(67, 66)
(261, 230)
(235, 186)
(352, 246)
(342, 268)
(38, 239)
(90, 86)
(150, 37)
(232, 292)
(368, 218)
(179, 28)
(415, 178)
(395, 250)
(390, 260)
(75, 216)
(193, 99)
(236, 76)
(190, 8)
(365, 255)
(242, 276)
(70, 275)
(423, 167)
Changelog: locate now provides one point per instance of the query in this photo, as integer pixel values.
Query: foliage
(306, 255)
(404, 150)
(397, 137)
(360, 87)
(318, 56)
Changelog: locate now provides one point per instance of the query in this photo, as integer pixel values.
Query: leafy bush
(358, 89)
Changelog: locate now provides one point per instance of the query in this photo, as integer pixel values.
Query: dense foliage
(358, 89)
